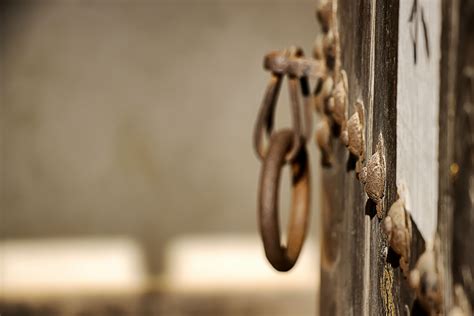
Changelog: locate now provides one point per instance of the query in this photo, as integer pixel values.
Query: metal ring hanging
(288, 62)
(282, 257)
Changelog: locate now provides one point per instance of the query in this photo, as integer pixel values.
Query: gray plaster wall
(135, 118)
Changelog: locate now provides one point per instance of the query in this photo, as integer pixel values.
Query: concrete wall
(135, 118)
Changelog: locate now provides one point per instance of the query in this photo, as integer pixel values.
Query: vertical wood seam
(368, 137)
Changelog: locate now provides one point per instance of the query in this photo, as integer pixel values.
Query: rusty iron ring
(282, 257)
(265, 119)
(303, 82)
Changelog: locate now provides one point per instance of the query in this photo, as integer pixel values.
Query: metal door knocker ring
(280, 63)
(283, 257)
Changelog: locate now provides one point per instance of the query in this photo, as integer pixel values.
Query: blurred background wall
(134, 118)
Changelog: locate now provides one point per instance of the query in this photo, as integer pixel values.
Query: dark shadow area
(418, 310)
(393, 258)
(336, 130)
(418, 245)
(351, 162)
(370, 208)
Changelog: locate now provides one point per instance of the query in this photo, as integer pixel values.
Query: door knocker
(289, 62)
(286, 146)
(283, 257)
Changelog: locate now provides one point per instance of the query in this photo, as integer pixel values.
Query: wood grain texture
(455, 207)
(342, 269)
(463, 195)
(357, 278)
(449, 44)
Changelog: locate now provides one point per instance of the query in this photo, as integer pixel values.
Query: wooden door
(410, 63)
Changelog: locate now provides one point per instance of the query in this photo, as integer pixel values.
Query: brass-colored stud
(353, 134)
(373, 176)
(397, 227)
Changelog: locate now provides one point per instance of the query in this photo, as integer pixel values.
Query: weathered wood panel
(456, 173)
(463, 170)
(356, 276)
(343, 244)
(384, 286)
(449, 39)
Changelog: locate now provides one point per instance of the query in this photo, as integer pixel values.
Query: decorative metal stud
(337, 103)
(373, 176)
(353, 134)
(426, 281)
(397, 227)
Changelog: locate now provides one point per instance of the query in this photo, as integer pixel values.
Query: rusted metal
(322, 93)
(397, 227)
(353, 134)
(285, 146)
(283, 257)
(279, 62)
(288, 146)
(426, 279)
(265, 118)
(288, 62)
(323, 140)
(330, 100)
(337, 103)
(324, 14)
(373, 176)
